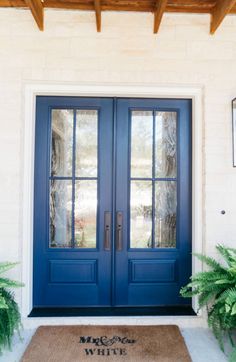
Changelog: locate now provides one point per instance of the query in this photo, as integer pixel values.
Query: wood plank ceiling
(217, 8)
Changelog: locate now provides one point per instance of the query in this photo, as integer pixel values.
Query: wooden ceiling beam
(220, 10)
(178, 6)
(159, 11)
(37, 11)
(97, 5)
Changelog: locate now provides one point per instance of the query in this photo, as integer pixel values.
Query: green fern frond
(4, 266)
(205, 297)
(211, 262)
(231, 292)
(187, 292)
(226, 254)
(3, 303)
(215, 324)
(228, 295)
(224, 281)
(233, 311)
(209, 276)
(8, 283)
(231, 249)
(10, 320)
(232, 356)
(212, 287)
(232, 270)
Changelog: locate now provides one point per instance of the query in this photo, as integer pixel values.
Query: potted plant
(10, 319)
(216, 290)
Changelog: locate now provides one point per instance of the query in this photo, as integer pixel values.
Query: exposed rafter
(220, 10)
(159, 11)
(37, 11)
(217, 8)
(97, 5)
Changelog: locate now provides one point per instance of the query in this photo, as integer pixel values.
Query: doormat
(107, 343)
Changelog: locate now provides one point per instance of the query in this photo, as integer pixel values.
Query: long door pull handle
(107, 230)
(119, 230)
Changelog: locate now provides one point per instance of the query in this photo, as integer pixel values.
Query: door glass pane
(86, 143)
(85, 213)
(141, 214)
(166, 144)
(61, 142)
(165, 214)
(141, 143)
(60, 213)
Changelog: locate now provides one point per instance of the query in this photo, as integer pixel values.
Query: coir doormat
(107, 343)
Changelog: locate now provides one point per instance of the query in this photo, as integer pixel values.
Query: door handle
(119, 230)
(107, 230)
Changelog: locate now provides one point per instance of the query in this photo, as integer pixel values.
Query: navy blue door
(153, 201)
(112, 205)
(73, 189)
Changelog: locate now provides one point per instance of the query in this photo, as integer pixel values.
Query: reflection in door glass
(85, 213)
(73, 196)
(165, 144)
(165, 214)
(141, 143)
(86, 143)
(60, 213)
(141, 214)
(61, 142)
(153, 179)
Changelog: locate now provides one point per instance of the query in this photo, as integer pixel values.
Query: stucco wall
(127, 51)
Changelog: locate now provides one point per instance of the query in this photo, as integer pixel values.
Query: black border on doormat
(113, 311)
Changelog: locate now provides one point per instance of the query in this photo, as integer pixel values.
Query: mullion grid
(69, 178)
(73, 178)
(154, 179)
(158, 179)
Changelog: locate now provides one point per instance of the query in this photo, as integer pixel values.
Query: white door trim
(126, 90)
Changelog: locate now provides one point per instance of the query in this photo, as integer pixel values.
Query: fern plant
(10, 320)
(216, 290)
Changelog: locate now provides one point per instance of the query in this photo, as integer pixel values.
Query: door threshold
(113, 311)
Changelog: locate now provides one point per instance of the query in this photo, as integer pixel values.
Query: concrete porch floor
(201, 344)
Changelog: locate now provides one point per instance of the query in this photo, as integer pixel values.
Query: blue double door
(112, 202)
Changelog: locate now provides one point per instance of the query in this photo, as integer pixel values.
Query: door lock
(107, 230)
(119, 230)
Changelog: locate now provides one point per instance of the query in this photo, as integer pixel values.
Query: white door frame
(111, 90)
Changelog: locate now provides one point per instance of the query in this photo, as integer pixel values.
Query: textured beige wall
(70, 50)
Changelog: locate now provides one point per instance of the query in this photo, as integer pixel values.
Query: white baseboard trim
(181, 321)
